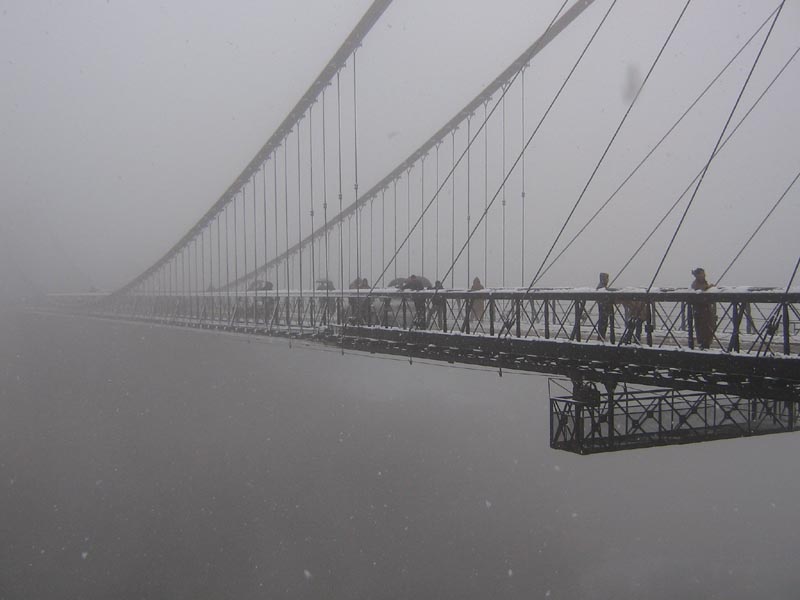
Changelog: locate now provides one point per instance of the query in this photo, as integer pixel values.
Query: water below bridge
(139, 461)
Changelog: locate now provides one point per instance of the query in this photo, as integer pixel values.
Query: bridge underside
(588, 420)
(747, 376)
(742, 385)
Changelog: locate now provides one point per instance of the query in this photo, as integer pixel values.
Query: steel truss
(587, 419)
(755, 351)
(748, 383)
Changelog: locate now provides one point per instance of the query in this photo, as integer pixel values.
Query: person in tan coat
(704, 313)
(477, 303)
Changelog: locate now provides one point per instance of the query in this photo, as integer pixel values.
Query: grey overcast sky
(122, 121)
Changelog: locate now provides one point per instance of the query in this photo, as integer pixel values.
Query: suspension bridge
(295, 248)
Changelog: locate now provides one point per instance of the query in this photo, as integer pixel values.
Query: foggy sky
(124, 122)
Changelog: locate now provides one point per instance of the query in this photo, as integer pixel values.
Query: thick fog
(150, 462)
(125, 122)
(147, 461)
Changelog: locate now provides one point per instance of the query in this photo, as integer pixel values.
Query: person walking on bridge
(415, 284)
(477, 303)
(438, 305)
(704, 313)
(605, 309)
(359, 307)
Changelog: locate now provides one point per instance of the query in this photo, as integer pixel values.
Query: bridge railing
(619, 418)
(741, 320)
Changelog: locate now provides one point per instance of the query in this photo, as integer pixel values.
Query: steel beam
(588, 419)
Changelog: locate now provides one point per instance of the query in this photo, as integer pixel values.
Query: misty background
(124, 122)
(139, 461)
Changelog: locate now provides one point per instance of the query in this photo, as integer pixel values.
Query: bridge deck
(649, 339)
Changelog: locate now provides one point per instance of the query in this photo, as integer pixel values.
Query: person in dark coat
(415, 284)
(604, 309)
(359, 307)
(366, 303)
(478, 303)
(704, 313)
(268, 301)
(637, 313)
(438, 305)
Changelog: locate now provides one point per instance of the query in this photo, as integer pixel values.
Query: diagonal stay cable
(533, 134)
(696, 177)
(453, 168)
(791, 279)
(719, 140)
(757, 229)
(537, 276)
(770, 325)
(655, 147)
